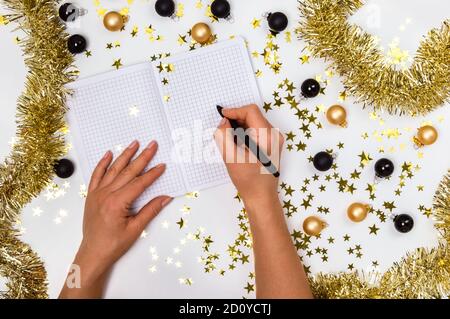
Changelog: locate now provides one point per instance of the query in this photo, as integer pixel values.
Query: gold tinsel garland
(39, 141)
(22, 267)
(354, 54)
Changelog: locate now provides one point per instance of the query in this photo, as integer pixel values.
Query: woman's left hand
(109, 227)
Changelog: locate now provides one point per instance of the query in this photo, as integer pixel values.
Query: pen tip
(219, 109)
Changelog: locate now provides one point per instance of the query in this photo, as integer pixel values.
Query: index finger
(250, 115)
(130, 192)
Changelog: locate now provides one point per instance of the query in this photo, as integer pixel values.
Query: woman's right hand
(253, 182)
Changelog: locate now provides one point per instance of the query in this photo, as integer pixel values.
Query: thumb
(150, 211)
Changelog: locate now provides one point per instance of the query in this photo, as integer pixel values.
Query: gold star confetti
(101, 12)
(288, 37)
(256, 23)
(304, 59)
(195, 194)
(389, 206)
(199, 4)
(249, 288)
(181, 39)
(364, 159)
(180, 223)
(134, 31)
(3, 20)
(373, 229)
(180, 10)
(117, 64)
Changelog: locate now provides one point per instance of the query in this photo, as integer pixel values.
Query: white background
(215, 209)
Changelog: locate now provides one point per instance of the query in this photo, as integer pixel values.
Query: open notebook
(164, 101)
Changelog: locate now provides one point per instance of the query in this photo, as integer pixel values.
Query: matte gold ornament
(337, 115)
(201, 32)
(114, 21)
(426, 135)
(313, 225)
(357, 212)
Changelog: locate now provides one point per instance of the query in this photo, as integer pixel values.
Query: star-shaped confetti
(117, 64)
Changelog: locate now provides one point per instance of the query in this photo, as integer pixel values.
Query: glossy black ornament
(76, 44)
(384, 168)
(221, 9)
(323, 161)
(68, 12)
(310, 88)
(165, 8)
(64, 168)
(278, 21)
(403, 223)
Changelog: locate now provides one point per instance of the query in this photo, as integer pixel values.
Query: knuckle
(127, 170)
(114, 170)
(153, 210)
(140, 184)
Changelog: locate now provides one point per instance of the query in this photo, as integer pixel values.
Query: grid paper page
(109, 111)
(220, 74)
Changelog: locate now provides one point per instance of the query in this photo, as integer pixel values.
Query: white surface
(216, 209)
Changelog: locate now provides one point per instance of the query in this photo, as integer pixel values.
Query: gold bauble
(313, 226)
(357, 212)
(114, 21)
(201, 32)
(426, 135)
(337, 115)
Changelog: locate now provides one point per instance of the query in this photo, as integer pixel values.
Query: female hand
(109, 227)
(251, 179)
(279, 272)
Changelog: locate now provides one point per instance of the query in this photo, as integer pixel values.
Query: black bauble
(310, 88)
(76, 44)
(221, 9)
(165, 8)
(64, 168)
(384, 168)
(403, 223)
(68, 12)
(323, 161)
(278, 21)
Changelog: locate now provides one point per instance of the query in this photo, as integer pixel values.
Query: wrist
(92, 268)
(264, 205)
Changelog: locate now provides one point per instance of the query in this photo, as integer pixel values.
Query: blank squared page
(220, 74)
(109, 111)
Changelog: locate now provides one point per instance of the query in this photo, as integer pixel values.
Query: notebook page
(109, 111)
(220, 74)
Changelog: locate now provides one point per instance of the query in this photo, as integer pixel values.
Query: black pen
(251, 145)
